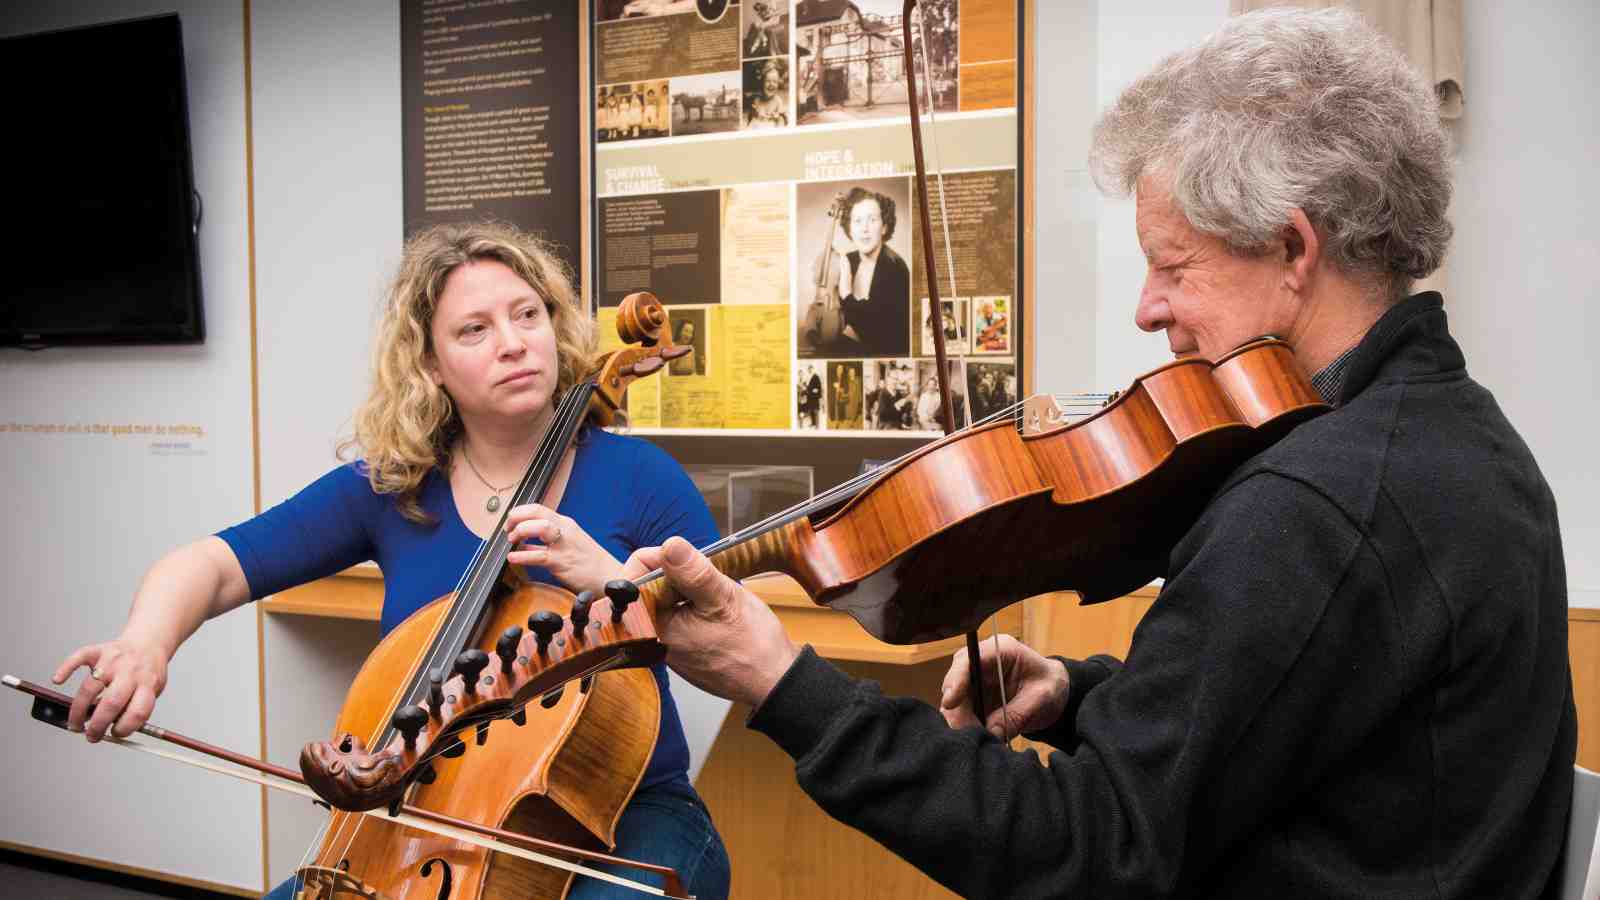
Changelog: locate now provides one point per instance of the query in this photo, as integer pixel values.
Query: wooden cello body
(564, 775)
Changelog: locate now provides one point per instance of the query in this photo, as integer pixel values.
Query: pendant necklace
(493, 504)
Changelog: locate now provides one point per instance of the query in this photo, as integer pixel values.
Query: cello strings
(470, 581)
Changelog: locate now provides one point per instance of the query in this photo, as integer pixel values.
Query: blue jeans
(666, 824)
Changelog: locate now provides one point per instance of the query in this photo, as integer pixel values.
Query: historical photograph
(845, 395)
(930, 416)
(890, 402)
(854, 295)
(765, 28)
(851, 58)
(606, 10)
(766, 93)
(954, 322)
(991, 387)
(688, 330)
(808, 395)
(631, 111)
(705, 103)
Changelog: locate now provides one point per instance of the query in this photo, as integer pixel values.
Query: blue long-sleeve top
(625, 492)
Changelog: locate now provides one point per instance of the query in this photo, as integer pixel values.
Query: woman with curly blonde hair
(480, 335)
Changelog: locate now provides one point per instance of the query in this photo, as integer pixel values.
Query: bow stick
(936, 310)
(51, 708)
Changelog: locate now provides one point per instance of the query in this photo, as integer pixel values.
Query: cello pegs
(436, 693)
(580, 613)
(469, 665)
(506, 647)
(409, 721)
(622, 593)
(545, 625)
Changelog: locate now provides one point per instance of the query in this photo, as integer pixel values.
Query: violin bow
(935, 308)
(51, 708)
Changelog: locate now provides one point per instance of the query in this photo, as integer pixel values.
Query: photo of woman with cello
(480, 336)
(860, 284)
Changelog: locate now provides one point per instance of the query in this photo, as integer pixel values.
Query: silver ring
(553, 535)
(98, 675)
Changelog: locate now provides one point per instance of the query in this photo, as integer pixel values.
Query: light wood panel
(1583, 648)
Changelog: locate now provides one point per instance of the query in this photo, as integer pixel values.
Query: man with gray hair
(1354, 682)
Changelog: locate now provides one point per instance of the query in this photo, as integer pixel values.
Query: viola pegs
(580, 613)
(622, 593)
(409, 721)
(456, 748)
(436, 693)
(506, 647)
(552, 697)
(426, 774)
(469, 665)
(545, 625)
(483, 733)
(519, 718)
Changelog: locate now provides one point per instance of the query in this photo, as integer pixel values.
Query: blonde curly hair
(408, 424)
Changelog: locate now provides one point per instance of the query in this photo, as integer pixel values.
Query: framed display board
(753, 168)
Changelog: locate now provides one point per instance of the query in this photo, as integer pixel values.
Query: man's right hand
(1036, 689)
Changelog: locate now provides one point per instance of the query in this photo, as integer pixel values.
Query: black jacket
(1354, 684)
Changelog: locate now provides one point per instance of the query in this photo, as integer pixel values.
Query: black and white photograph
(808, 396)
(766, 93)
(625, 112)
(606, 10)
(991, 387)
(890, 402)
(930, 414)
(851, 59)
(854, 290)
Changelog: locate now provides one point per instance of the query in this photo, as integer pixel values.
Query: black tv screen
(102, 211)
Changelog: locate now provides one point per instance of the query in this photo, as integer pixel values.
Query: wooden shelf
(357, 593)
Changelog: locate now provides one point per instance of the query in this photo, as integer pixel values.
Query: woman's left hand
(566, 550)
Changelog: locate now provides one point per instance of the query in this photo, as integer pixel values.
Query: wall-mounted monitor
(100, 199)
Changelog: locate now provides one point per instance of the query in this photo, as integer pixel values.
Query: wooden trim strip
(255, 412)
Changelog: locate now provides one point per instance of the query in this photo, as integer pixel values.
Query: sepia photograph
(854, 246)
(688, 328)
(851, 59)
(954, 322)
(705, 103)
(625, 112)
(606, 10)
(765, 28)
(845, 395)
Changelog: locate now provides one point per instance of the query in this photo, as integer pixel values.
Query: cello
(563, 768)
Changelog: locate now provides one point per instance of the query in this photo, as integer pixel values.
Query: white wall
(87, 514)
(1522, 269)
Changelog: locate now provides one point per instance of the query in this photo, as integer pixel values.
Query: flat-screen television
(100, 201)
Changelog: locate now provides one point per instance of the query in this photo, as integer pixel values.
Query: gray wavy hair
(1286, 109)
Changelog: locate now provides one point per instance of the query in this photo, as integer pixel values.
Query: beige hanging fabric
(1428, 32)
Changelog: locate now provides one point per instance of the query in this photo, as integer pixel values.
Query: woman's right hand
(125, 678)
